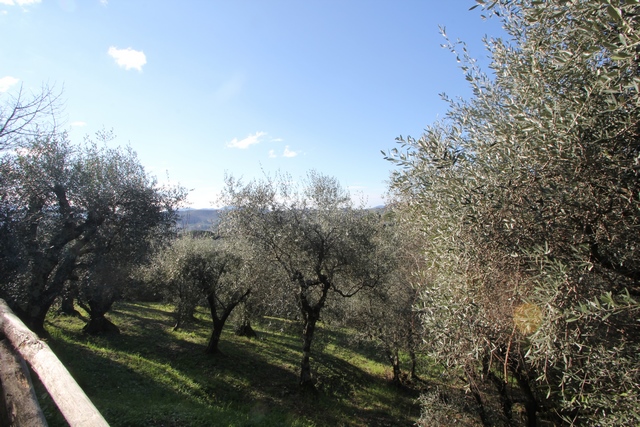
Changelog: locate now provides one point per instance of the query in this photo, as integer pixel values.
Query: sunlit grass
(151, 375)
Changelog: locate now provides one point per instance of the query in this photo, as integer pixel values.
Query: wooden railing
(21, 406)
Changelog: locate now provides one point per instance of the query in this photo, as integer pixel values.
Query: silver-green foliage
(64, 204)
(529, 195)
(192, 269)
(320, 246)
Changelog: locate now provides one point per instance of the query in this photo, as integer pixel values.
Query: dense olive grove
(322, 247)
(512, 258)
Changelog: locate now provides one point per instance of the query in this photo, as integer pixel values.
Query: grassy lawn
(150, 375)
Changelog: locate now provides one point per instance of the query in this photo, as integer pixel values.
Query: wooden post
(63, 389)
(20, 402)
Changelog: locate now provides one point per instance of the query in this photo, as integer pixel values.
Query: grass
(150, 375)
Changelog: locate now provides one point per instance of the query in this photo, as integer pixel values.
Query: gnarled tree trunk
(98, 323)
(306, 380)
(220, 319)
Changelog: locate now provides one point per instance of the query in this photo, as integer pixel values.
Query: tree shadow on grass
(253, 383)
(364, 395)
(142, 315)
(206, 388)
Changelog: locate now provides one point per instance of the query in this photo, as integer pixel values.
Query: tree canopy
(197, 268)
(528, 193)
(322, 246)
(62, 204)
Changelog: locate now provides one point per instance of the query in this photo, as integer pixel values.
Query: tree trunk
(49, 273)
(501, 387)
(414, 362)
(98, 323)
(311, 315)
(531, 404)
(219, 321)
(185, 313)
(214, 339)
(475, 392)
(306, 381)
(395, 364)
(245, 330)
(43, 292)
(67, 307)
(35, 321)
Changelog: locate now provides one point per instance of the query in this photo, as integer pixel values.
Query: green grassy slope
(150, 375)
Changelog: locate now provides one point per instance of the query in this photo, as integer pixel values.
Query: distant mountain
(203, 219)
(198, 219)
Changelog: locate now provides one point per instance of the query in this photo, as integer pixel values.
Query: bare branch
(23, 116)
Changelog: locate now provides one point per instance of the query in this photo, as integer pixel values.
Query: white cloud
(78, 124)
(272, 154)
(104, 2)
(19, 2)
(248, 141)
(128, 58)
(289, 153)
(7, 82)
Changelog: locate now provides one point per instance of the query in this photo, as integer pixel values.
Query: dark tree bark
(306, 380)
(501, 387)
(214, 338)
(50, 270)
(531, 403)
(311, 315)
(184, 316)
(245, 330)
(219, 319)
(475, 392)
(394, 359)
(67, 306)
(414, 362)
(98, 323)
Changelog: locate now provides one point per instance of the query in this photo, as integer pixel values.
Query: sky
(204, 88)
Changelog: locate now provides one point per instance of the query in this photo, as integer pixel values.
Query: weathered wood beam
(74, 405)
(21, 406)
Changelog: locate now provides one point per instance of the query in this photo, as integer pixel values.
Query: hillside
(198, 219)
(202, 219)
(151, 375)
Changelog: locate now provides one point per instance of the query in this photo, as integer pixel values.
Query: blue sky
(203, 88)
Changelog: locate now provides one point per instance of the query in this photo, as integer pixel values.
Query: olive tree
(528, 195)
(204, 267)
(321, 245)
(62, 203)
(100, 280)
(24, 116)
(386, 316)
